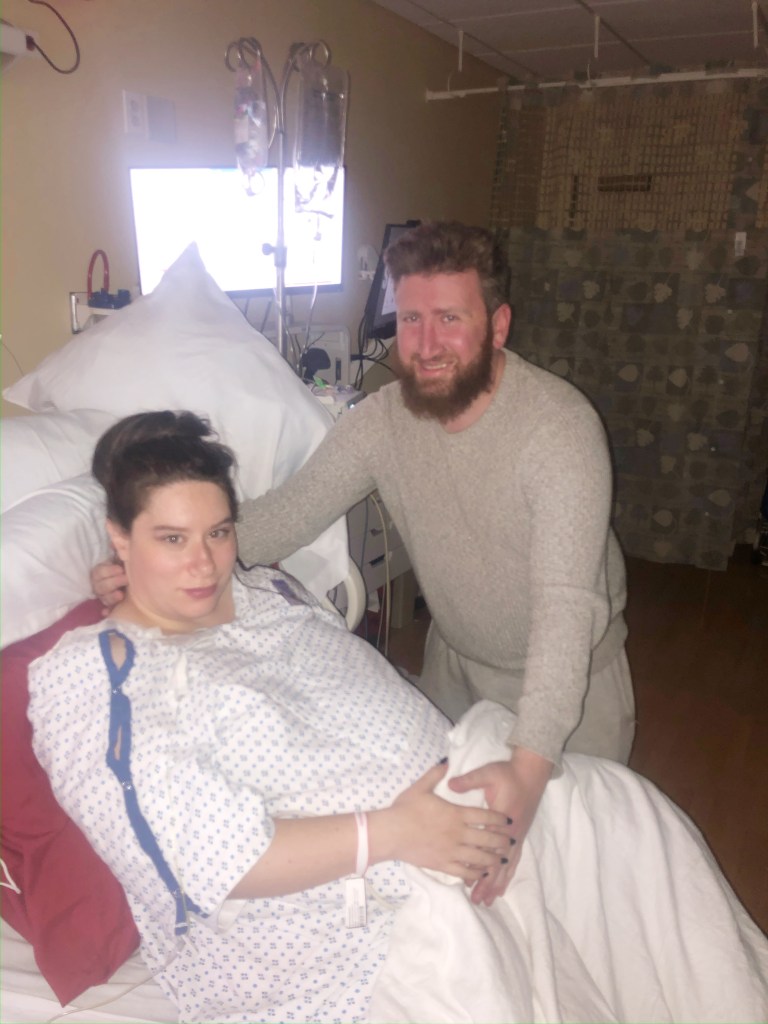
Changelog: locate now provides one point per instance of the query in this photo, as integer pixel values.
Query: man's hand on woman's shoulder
(109, 581)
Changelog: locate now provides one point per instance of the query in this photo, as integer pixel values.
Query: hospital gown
(281, 712)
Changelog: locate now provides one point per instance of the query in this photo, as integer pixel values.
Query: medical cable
(9, 882)
(310, 312)
(12, 355)
(147, 976)
(362, 563)
(361, 331)
(386, 605)
(379, 355)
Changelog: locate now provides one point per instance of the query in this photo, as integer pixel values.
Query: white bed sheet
(618, 912)
(26, 998)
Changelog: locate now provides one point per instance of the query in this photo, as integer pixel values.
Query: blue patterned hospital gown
(281, 712)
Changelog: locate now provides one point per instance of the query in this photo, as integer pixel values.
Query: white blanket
(617, 912)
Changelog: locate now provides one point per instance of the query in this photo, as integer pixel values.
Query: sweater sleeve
(568, 491)
(334, 478)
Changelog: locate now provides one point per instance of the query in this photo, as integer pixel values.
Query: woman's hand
(109, 581)
(514, 788)
(429, 832)
(419, 827)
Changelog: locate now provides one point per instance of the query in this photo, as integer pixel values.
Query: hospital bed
(654, 933)
(186, 346)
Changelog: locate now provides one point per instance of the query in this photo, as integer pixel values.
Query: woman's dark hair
(150, 449)
(449, 247)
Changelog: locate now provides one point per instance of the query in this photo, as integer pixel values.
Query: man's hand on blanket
(515, 788)
(429, 832)
(109, 581)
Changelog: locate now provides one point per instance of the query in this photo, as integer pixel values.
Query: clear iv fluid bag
(322, 116)
(251, 121)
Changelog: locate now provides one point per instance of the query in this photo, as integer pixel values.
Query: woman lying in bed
(240, 761)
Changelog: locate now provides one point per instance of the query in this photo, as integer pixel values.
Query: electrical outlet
(134, 113)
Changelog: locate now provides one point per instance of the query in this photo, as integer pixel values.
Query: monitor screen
(380, 316)
(173, 206)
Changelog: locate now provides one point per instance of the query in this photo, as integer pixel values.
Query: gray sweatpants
(607, 725)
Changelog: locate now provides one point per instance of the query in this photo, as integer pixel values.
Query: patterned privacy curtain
(636, 223)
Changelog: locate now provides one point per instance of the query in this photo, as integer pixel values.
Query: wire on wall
(13, 357)
(44, 55)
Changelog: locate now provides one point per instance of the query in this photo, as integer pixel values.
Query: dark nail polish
(485, 874)
(505, 860)
(512, 840)
(443, 760)
(510, 821)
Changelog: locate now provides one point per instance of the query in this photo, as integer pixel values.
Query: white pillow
(51, 539)
(39, 450)
(187, 346)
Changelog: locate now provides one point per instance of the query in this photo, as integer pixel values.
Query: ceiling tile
(533, 30)
(683, 18)
(461, 10)
(576, 61)
(681, 53)
(412, 12)
(554, 38)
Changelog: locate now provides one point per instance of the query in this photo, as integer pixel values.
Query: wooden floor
(698, 649)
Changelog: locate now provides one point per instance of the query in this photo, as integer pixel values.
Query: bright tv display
(173, 206)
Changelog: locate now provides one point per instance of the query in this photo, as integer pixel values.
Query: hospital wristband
(361, 865)
(355, 909)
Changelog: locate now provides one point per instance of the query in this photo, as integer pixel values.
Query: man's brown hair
(450, 247)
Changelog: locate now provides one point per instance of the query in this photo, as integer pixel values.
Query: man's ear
(501, 321)
(119, 539)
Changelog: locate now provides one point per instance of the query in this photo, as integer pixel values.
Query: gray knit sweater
(506, 524)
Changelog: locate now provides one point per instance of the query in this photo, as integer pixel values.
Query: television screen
(380, 316)
(173, 206)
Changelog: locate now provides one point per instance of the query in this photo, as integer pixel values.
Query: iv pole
(243, 48)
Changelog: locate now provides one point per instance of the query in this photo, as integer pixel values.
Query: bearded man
(497, 476)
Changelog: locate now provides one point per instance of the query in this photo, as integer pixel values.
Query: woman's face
(179, 556)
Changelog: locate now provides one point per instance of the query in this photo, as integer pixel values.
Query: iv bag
(251, 123)
(322, 116)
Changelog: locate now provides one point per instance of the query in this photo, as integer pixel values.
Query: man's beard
(472, 380)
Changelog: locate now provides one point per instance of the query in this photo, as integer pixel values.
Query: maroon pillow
(71, 909)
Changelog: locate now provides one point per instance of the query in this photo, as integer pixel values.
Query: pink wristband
(361, 820)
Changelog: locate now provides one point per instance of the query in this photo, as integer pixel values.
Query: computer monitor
(380, 317)
(173, 206)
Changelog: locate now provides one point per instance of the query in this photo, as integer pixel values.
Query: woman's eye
(172, 538)
(221, 532)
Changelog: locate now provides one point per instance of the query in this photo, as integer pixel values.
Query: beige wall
(65, 155)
